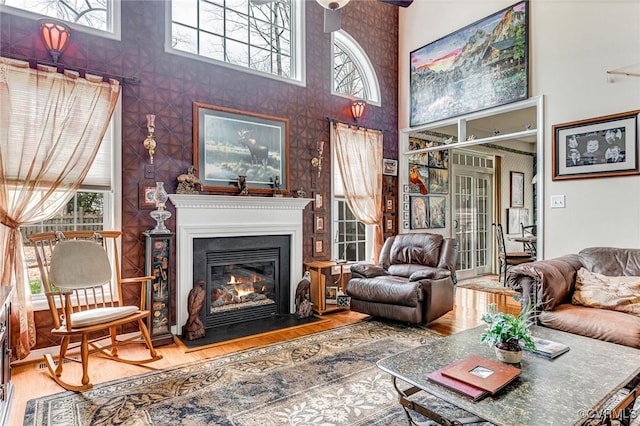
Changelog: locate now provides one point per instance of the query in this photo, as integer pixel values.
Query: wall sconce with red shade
(357, 109)
(55, 36)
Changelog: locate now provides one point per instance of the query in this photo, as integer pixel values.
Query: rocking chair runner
(75, 268)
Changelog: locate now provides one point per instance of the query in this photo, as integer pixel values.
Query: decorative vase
(160, 214)
(510, 357)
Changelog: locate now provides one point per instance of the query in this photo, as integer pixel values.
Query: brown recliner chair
(413, 282)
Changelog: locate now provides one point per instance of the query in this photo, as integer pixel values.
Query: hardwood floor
(32, 380)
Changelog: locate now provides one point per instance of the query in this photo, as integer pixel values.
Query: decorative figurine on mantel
(188, 183)
(194, 328)
(242, 185)
(276, 187)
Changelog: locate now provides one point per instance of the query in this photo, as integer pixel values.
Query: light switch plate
(557, 201)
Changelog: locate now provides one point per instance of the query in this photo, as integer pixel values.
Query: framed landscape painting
(228, 143)
(482, 65)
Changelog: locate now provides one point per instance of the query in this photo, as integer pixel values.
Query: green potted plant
(506, 332)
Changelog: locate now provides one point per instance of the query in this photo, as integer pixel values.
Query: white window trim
(357, 54)
(298, 70)
(116, 20)
(112, 202)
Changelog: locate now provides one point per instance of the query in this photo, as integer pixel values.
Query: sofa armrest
(438, 298)
(367, 270)
(429, 273)
(545, 284)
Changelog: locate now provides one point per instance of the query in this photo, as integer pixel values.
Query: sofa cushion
(603, 324)
(599, 291)
(423, 249)
(611, 261)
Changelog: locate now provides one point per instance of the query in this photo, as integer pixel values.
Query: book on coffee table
(483, 373)
(456, 385)
(548, 348)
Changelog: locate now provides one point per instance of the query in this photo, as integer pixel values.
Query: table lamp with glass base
(160, 214)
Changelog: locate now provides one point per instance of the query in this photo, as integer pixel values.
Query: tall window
(353, 77)
(260, 36)
(352, 239)
(102, 15)
(353, 73)
(92, 208)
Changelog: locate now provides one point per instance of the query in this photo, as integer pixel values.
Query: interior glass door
(472, 201)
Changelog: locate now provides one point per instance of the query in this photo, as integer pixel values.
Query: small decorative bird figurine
(303, 305)
(416, 179)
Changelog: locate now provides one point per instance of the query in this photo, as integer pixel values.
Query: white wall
(572, 44)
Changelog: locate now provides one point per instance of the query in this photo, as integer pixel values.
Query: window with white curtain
(352, 239)
(94, 207)
(100, 16)
(260, 36)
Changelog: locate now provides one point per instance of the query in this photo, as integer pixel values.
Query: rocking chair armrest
(143, 287)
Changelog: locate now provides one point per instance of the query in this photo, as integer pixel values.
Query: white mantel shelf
(237, 202)
(213, 216)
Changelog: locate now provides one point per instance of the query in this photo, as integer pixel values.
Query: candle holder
(160, 214)
(150, 141)
(317, 161)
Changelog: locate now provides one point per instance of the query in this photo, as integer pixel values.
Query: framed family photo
(229, 143)
(596, 147)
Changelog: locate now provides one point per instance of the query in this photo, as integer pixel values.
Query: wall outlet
(149, 171)
(557, 201)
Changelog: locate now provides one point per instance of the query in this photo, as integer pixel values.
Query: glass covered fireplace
(247, 278)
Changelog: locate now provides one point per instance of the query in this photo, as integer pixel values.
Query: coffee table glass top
(559, 391)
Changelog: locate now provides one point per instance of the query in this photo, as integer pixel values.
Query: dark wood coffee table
(578, 387)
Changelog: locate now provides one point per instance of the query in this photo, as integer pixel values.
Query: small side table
(324, 285)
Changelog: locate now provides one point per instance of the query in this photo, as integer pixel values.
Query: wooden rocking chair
(76, 267)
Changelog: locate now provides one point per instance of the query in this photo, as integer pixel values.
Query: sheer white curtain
(51, 126)
(359, 155)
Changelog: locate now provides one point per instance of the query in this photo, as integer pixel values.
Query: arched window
(353, 73)
(259, 36)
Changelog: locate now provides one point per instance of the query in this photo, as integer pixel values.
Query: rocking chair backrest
(79, 264)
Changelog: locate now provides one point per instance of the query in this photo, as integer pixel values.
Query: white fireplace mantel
(208, 216)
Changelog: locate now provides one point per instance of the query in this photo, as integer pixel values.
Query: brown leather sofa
(549, 286)
(413, 281)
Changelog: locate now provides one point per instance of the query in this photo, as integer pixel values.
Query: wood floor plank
(30, 381)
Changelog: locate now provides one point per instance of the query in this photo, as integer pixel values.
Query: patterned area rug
(489, 284)
(328, 378)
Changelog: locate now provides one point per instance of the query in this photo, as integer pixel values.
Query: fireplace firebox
(247, 278)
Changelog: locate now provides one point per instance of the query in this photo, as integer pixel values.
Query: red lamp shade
(357, 109)
(55, 36)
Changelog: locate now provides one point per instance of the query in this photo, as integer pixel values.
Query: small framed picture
(319, 221)
(405, 207)
(389, 167)
(318, 201)
(331, 295)
(389, 224)
(147, 191)
(405, 198)
(517, 189)
(318, 246)
(405, 224)
(389, 204)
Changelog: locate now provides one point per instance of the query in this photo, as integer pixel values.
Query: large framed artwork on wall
(229, 143)
(596, 147)
(482, 65)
